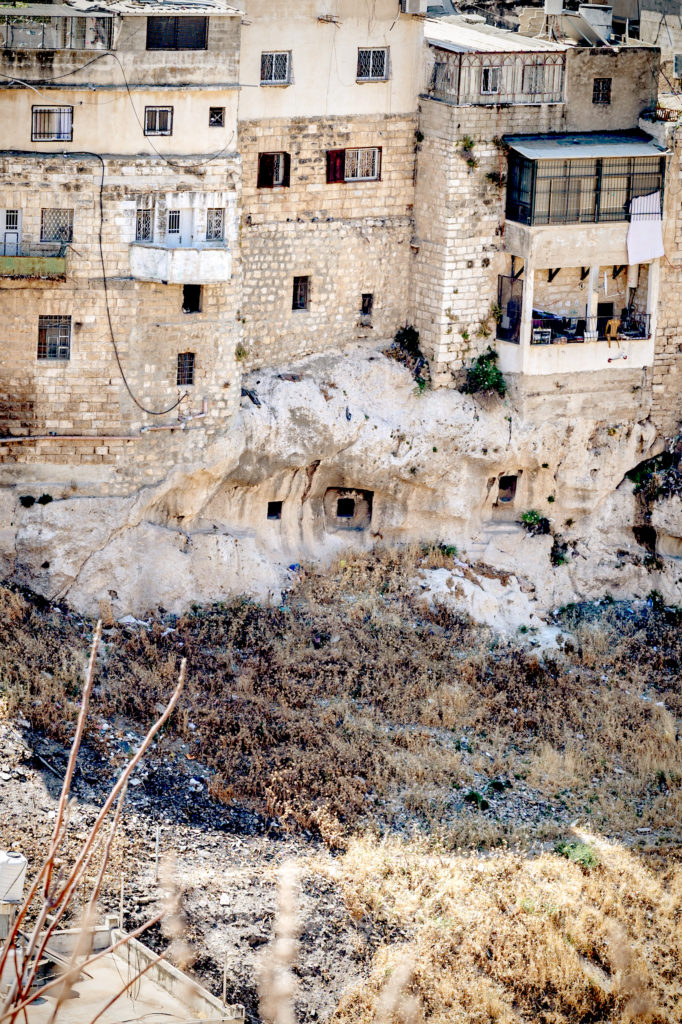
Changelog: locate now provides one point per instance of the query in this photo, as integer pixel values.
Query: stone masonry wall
(348, 238)
(86, 394)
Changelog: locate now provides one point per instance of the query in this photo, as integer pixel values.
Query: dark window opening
(601, 91)
(191, 298)
(506, 490)
(216, 117)
(345, 508)
(158, 120)
(274, 170)
(367, 304)
(274, 510)
(54, 337)
(177, 33)
(301, 295)
(185, 369)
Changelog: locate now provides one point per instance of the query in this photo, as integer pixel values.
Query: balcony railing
(44, 33)
(48, 264)
(491, 79)
(556, 329)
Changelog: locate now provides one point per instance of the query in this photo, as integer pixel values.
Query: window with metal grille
(491, 80)
(301, 296)
(215, 224)
(54, 337)
(173, 222)
(177, 33)
(11, 220)
(534, 79)
(275, 68)
(216, 117)
(601, 91)
(52, 124)
(372, 64)
(56, 225)
(185, 369)
(144, 226)
(274, 170)
(158, 120)
(361, 164)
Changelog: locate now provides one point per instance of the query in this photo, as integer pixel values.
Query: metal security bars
(52, 124)
(215, 225)
(38, 33)
(158, 120)
(495, 78)
(144, 226)
(580, 191)
(54, 337)
(275, 68)
(372, 65)
(185, 375)
(56, 225)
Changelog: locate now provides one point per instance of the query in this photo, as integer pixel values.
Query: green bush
(485, 375)
(579, 853)
(408, 339)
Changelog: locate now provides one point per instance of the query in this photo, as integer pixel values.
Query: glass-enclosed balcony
(39, 29)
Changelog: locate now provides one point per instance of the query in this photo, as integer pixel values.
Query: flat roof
(584, 145)
(456, 35)
(177, 8)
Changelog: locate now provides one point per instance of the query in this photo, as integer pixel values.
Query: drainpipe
(181, 424)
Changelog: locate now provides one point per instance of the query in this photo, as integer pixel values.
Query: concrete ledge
(180, 266)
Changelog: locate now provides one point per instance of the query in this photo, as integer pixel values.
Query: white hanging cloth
(645, 232)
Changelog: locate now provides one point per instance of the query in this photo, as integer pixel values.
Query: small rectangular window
(491, 80)
(534, 79)
(54, 337)
(353, 165)
(173, 222)
(56, 225)
(275, 68)
(601, 91)
(216, 117)
(185, 369)
(345, 508)
(301, 296)
(144, 226)
(191, 298)
(367, 304)
(274, 510)
(274, 170)
(177, 33)
(52, 124)
(11, 220)
(215, 225)
(158, 120)
(373, 65)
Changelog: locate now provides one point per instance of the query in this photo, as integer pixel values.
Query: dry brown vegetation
(355, 711)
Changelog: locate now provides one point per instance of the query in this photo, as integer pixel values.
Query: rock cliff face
(343, 452)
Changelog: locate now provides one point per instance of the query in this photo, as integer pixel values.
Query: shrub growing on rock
(485, 376)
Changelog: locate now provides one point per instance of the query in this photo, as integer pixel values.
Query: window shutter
(266, 170)
(191, 33)
(286, 175)
(336, 165)
(161, 33)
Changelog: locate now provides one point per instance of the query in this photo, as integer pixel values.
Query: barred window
(185, 369)
(275, 68)
(11, 220)
(491, 80)
(301, 294)
(216, 117)
(601, 91)
(144, 226)
(158, 120)
(173, 222)
(54, 337)
(362, 164)
(215, 224)
(52, 124)
(56, 225)
(372, 64)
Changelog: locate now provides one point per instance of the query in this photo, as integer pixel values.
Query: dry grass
(353, 702)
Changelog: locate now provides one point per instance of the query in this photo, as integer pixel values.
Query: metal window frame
(371, 50)
(493, 71)
(12, 220)
(38, 110)
(271, 80)
(62, 233)
(186, 369)
(211, 213)
(144, 213)
(61, 345)
(376, 176)
(457, 78)
(301, 290)
(66, 28)
(600, 85)
(174, 217)
(157, 110)
(176, 23)
(220, 112)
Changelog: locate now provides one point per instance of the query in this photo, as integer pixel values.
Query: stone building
(119, 226)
